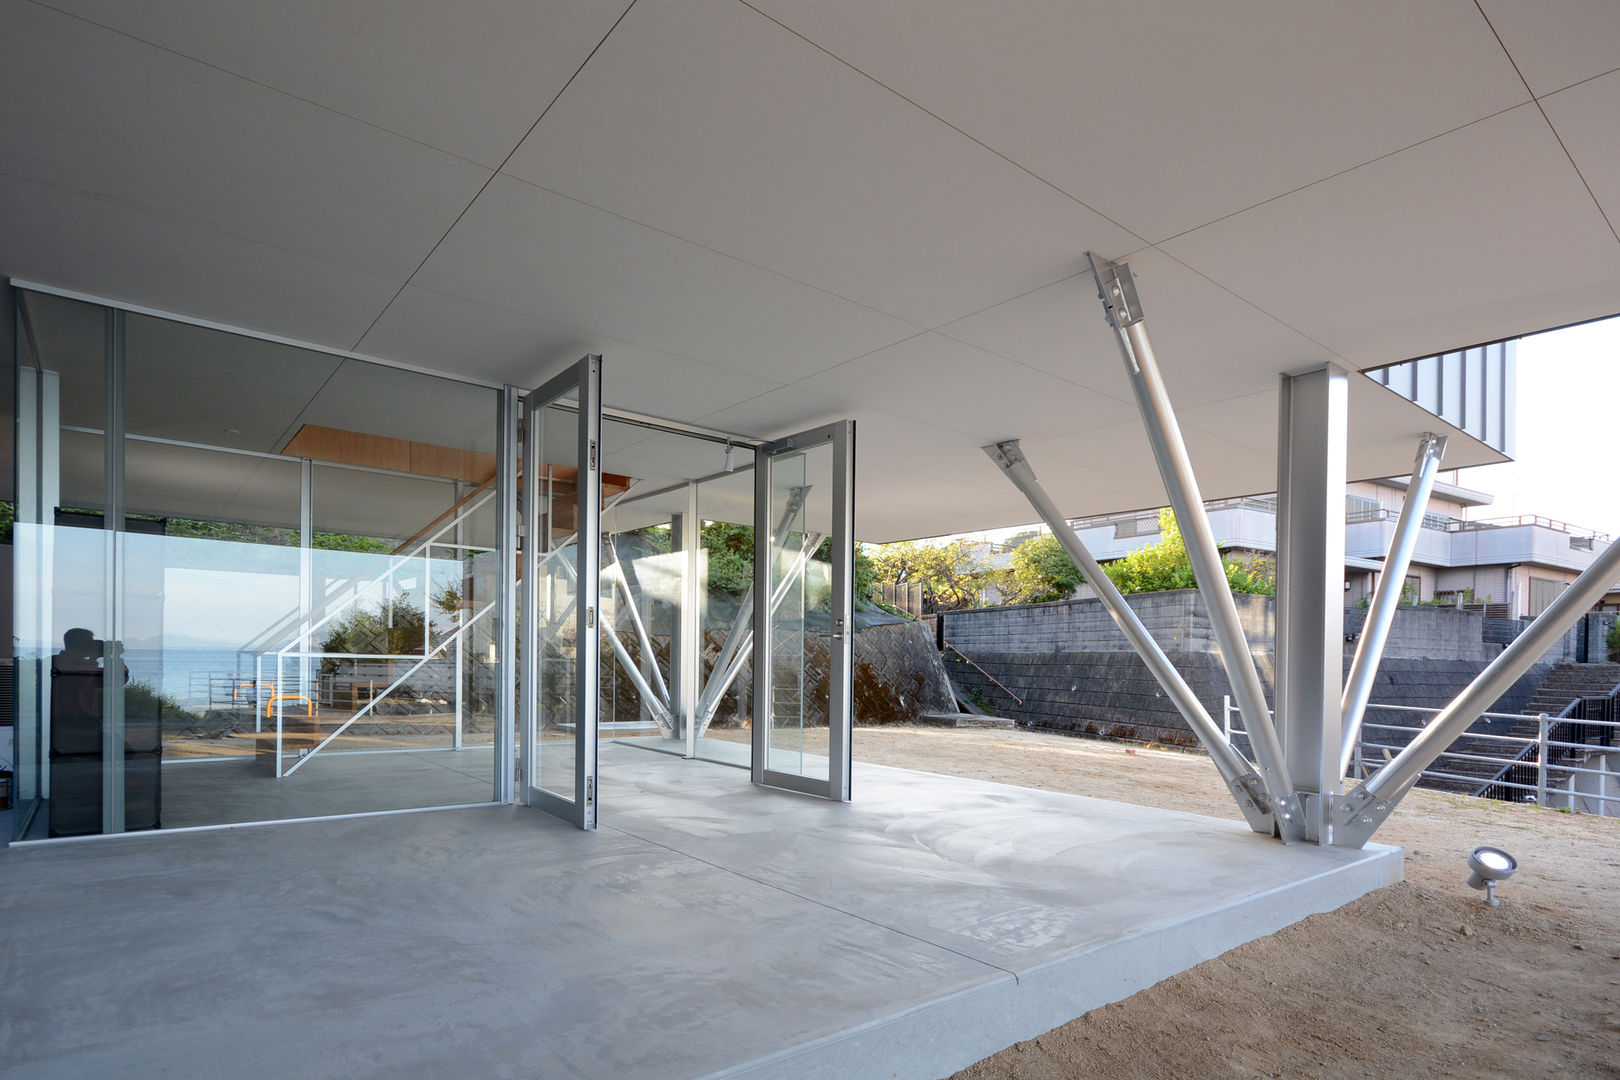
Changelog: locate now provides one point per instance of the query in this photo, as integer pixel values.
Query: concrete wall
(1587, 642)
(1114, 693)
(1074, 671)
(1175, 619)
(1178, 623)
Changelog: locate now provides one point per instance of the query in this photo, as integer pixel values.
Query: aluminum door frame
(584, 382)
(841, 435)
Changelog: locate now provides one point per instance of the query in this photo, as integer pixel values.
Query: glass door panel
(561, 560)
(803, 518)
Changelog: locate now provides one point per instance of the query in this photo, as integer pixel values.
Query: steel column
(112, 524)
(1387, 596)
(1117, 290)
(1312, 437)
(1239, 775)
(1358, 815)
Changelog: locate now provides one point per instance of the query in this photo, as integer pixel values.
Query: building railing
(1530, 768)
(1358, 510)
(1530, 519)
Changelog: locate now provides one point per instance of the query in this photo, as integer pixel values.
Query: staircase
(1570, 681)
(1557, 697)
(1567, 684)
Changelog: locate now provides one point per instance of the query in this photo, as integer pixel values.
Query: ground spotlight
(1486, 867)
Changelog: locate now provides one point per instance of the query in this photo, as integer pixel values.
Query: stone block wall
(1075, 672)
(1175, 619)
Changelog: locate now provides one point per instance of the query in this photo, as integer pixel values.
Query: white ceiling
(768, 215)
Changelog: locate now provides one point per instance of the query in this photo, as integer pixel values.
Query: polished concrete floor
(231, 790)
(708, 928)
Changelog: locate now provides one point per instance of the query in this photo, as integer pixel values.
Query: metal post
(1542, 728)
(1358, 814)
(306, 568)
(689, 634)
(536, 532)
(622, 580)
(742, 628)
(112, 523)
(1254, 798)
(1312, 438)
(1117, 290)
(507, 448)
(1387, 596)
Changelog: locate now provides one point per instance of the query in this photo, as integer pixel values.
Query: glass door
(803, 563)
(561, 574)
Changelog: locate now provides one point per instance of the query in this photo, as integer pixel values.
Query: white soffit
(529, 250)
(114, 118)
(702, 119)
(1164, 116)
(1420, 252)
(468, 78)
(1557, 45)
(1587, 118)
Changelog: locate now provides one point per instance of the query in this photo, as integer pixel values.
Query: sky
(1567, 461)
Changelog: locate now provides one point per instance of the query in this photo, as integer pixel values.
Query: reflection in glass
(282, 558)
(800, 576)
(552, 492)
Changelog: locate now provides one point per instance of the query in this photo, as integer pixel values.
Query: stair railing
(347, 592)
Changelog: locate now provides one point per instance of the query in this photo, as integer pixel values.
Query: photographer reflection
(78, 717)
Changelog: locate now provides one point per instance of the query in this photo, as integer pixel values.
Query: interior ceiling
(772, 214)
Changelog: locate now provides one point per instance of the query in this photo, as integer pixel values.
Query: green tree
(950, 577)
(1041, 572)
(1165, 565)
(731, 556)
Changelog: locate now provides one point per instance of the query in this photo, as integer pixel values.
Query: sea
(184, 675)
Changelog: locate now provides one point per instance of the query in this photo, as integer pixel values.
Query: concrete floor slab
(708, 928)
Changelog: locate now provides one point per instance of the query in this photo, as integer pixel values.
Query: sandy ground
(1416, 980)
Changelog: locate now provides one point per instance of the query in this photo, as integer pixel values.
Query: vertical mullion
(112, 683)
(532, 538)
(841, 705)
(764, 548)
(506, 720)
(588, 539)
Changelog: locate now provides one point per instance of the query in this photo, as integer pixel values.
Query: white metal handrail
(1541, 760)
(413, 669)
(288, 623)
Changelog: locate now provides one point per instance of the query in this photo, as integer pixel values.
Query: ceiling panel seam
(274, 89)
(1577, 82)
(497, 172)
(1548, 121)
(1244, 299)
(723, 254)
(935, 116)
(598, 335)
(94, 196)
(1529, 100)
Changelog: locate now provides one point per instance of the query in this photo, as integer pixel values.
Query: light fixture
(1487, 866)
(731, 458)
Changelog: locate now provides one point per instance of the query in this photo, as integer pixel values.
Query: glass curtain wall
(253, 581)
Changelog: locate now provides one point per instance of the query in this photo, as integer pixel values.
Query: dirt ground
(1416, 980)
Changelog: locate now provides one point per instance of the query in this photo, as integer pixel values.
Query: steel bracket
(1116, 288)
(1356, 815)
(1290, 818)
(1250, 792)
